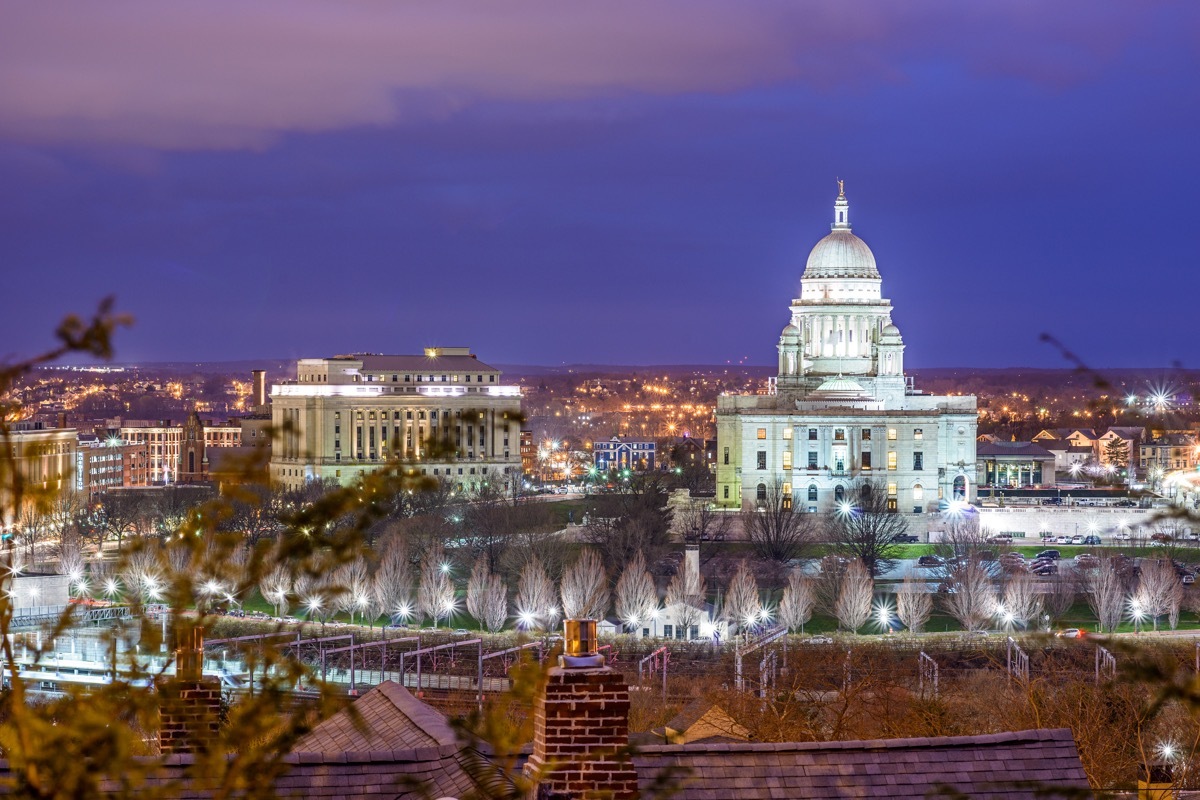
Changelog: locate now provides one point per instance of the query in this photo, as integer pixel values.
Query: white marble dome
(890, 330)
(841, 254)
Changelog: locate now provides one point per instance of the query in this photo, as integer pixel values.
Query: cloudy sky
(617, 182)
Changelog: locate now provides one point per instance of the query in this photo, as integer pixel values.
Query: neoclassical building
(347, 415)
(841, 408)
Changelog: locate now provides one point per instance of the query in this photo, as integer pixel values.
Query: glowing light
(1168, 751)
(845, 509)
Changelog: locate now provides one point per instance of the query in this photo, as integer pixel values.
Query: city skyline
(603, 193)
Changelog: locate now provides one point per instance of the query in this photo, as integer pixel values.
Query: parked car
(1077, 539)
(1048, 538)
(1086, 560)
(929, 561)
(1126, 503)
(1071, 633)
(1000, 538)
(1052, 554)
(1045, 569)
(1091, 539)
(1123, 536)
(906, 538)
(1160, 537)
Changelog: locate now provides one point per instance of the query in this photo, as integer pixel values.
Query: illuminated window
(787, 433)
(918, 492)
(787, 459)
(839, 434)
(892, 434)
(866, 460)
(891, 490)
(918, 434)
(762, 433)
(892, 460)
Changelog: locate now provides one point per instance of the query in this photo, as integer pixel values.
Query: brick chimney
(189, 704)
(581, 725)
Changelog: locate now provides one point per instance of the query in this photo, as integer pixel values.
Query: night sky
(618, 182)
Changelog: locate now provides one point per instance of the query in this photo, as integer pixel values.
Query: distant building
(109, 462)
(529, 453)
(348, 415)
(1169, 452)
(44, 458)
(842, 409)
(618, 454)
(162, 440)
(1014, 465)
(177, 453)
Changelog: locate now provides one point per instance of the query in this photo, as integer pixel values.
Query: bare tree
(585, 588)
(774, 531)
(636, 596)
(914, 603)
(535, 596)
(742, 603)
(72, 564)
(853, 606)
(1106, 590)
(796, 605)
(477, 586)
(356, 588)
(828, 584)
(1159, 590)
(636, 520)
(971, 596)
(275, 586)
(435, 594)
(701, 521)
(685, 594)
(1060, 596)
(866, 529)
(1022, 600)
(495, 604)
(394, 579)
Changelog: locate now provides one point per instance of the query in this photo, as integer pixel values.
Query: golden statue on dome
(841, 187)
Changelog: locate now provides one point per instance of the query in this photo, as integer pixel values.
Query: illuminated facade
(45, 460)
(841, 408)
(347, 415)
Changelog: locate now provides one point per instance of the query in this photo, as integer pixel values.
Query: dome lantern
(841, 209)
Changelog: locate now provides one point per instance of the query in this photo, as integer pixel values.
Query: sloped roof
(1004, 765)
(385, 718)
(1028, 449)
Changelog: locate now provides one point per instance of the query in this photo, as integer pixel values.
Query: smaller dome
(790, 330)
(842, 387)
(891, 330)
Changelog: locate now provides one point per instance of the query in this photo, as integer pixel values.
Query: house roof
(385, 718)
(1026, 449)
(1005, 765)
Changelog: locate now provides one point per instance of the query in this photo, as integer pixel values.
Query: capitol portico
(841, 408)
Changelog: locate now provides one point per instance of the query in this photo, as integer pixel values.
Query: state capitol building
(841, 409)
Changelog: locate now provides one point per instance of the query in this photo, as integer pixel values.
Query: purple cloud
(235, 75)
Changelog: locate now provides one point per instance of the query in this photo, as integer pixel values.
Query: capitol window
(787, 433)
(762, 433)
(891, 434)
(918, 434)
(892, 460)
